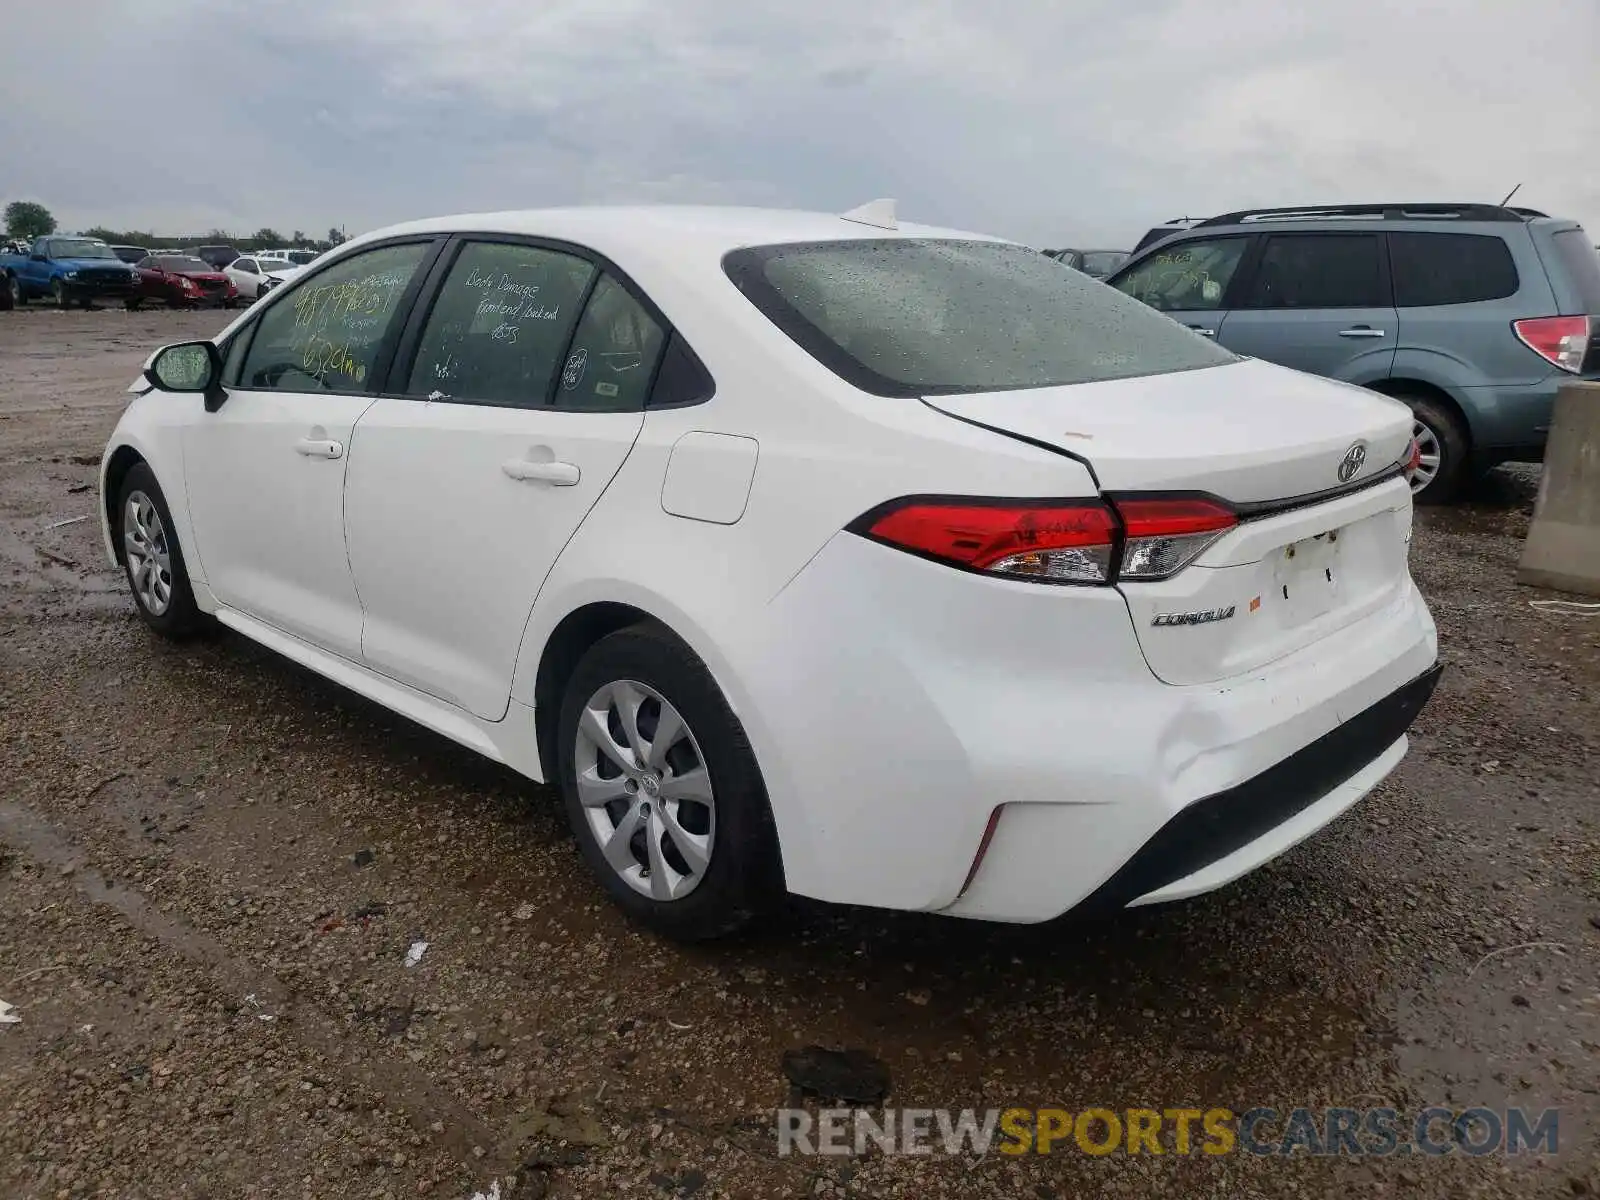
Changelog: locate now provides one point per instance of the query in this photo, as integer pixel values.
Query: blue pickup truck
(67, 271)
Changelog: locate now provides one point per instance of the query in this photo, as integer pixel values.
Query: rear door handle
(557, 474)
(1361, 331)
(1203, 331)
(319, 448)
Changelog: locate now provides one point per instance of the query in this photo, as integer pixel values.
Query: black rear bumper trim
(1214, 827)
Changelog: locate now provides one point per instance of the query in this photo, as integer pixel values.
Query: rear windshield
(1582, 263)
(917, 317)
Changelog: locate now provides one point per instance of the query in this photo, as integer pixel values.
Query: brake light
(1413, 458)
(1051, 541)
(1561, 341)
(1054, 541)
(1166, 535)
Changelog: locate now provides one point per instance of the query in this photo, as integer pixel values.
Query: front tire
(662, 788)
(19, 294)
(152, 558)
(58, 293)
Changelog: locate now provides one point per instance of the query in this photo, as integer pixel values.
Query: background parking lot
(213, 864)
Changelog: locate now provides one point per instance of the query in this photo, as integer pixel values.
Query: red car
(183, 282)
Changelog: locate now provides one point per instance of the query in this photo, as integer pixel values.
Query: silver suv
(1473, 314)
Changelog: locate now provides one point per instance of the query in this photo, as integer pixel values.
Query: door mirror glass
(186, 367)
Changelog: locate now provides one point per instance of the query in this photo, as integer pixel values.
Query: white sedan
(883, 564)
(254, 277)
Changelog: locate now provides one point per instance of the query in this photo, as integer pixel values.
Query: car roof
(617, 231)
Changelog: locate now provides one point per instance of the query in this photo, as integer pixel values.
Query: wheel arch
(566, 645)
(563, 626)
(117, 465)
(1400, 387)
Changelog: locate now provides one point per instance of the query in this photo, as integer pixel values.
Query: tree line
(27, 219)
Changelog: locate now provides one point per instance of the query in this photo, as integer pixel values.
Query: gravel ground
(212, 864)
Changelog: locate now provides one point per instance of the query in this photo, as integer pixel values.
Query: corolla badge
(1204, 617)
(1354, 459)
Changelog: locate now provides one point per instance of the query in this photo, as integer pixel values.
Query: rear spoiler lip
(1259, 510)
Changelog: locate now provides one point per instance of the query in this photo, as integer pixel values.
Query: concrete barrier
(1563, 546)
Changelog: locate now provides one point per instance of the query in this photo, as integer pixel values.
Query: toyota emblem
(1354, 459)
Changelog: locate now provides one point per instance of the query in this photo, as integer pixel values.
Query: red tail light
(1561, 341)
(1067, 541)
(1054, 541)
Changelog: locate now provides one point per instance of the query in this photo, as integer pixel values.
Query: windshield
(913, 316)
(182, 262)
(79, 248)
(1103, 262)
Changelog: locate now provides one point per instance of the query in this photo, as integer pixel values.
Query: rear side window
(1319, 270)
(613, 355)
(499, 328)
(924, 316)
(1450, 268)
(1582, 264)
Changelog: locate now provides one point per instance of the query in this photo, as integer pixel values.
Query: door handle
(1361, 331)
(558, 474)
(1203, 331)
(319, 448)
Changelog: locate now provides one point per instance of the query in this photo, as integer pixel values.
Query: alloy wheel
(644, 790)
(1432, 455)
(144, 542)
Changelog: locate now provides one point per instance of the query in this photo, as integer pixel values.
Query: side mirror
(188, 367)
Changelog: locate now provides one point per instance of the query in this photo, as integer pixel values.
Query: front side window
(613, 355)
(1319, 270)
(326, 335)
(1450, 268)
(925, 316)
(499, 327)
(1191, 276)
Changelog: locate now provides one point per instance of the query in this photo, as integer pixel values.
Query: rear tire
(685, 843)
(7, 299)
(152, 559)
(1446, 448)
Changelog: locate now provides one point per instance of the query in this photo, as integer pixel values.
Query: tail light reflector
(1054, 541)
(1165, 536)
(1561, 341)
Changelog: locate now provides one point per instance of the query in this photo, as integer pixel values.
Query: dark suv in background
(1473, 314)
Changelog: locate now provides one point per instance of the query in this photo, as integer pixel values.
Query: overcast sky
(1056, 122)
